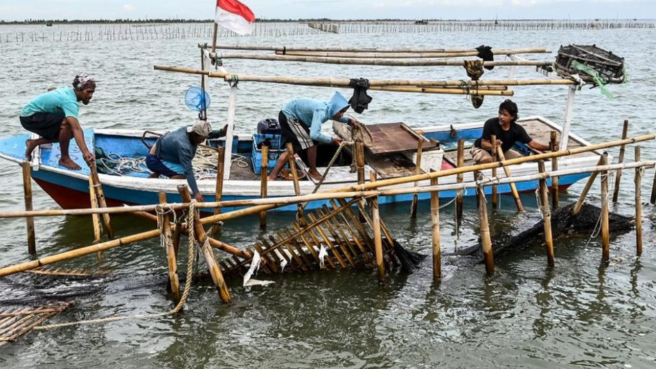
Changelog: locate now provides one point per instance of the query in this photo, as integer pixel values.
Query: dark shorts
(46, 125)
(295, 132)
(156, 166)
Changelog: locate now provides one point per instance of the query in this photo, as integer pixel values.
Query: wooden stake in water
(415, 197)
(554, 167)
(359, 167)
(486, 240)
(171, 257)
(100, 194)
(378, 240)
(584, 194)
(27, 193)
(218, 189)
(495, 195)
(513, 188)
(546, 213)
(618, 175)
(605, 227)
(264, 184)
(297, 186)
(210, 260)
(460, 178)
(638, 203)
(435, 229)
(95, 218)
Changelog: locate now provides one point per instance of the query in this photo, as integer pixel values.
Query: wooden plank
(387, 137)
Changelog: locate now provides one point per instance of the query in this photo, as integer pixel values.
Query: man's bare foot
(30, 145)
(315, 175)
(66, 161)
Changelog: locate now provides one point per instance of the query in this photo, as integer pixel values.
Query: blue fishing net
(197, 99)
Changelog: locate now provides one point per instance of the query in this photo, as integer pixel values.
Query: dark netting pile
(562, 223)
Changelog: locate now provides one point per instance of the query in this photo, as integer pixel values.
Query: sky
(11, 10)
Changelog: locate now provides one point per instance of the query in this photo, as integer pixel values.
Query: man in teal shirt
(54, 116)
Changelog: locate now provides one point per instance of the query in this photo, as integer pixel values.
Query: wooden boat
(69, 188)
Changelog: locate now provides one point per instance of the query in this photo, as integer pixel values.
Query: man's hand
(199, 197)
(355, 122)
(337, 141)
(499, 143)
(556, 146)
(89, 157)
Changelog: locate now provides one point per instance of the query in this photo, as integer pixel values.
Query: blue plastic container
(274, 152)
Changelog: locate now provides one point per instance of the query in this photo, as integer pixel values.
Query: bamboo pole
(263, 182)
(495, 195)
(373, 59)
(460, 178)
(652, 199)
(605, 228)
(297, 186)
(171, 257)
(218, 189)
(95, 218)
(210, 260)
(378, 240)
(102, 203)
(486, 240)
(554, 168)
(359, 167)
(513, 188)
(415, 197)
(27, 194)
(618, 175)
(341, 192)
(435, 230)
(290, 49)
(546, 214)
(345, 82)
(638, 202)
(588, 185)
(445, 91)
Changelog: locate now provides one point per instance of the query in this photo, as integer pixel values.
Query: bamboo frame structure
(27, 194)
(486, 240)
(171, 255)
(292, 169)
(554, 168)
(513, 188)
(287, 49)
(435, 231)
(586, 188)
(102, 202)
(618, 175)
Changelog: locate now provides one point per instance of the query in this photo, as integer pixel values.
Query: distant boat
(48, 24)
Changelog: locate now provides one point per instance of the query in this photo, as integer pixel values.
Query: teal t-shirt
(58, 101)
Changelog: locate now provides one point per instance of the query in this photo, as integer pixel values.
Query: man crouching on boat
(301, 121)
(507, 132)
(55, 117)
(173, 153)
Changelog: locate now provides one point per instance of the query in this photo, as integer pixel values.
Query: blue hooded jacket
(313, 113)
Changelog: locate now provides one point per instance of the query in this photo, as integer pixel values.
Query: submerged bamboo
(486, 240)
(378, 240)
(27, 194)
(618, 175)
(638, 202)
(546, 214)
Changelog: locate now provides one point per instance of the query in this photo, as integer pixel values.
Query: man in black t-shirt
(507, 132)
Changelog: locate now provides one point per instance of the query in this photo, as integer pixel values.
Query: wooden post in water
(415, 197)
(27, 193)
(618, 175)
(359, 167)
(495, 195)
(546, 213)
(554, 167)
(513, 188)
(652, 200)
(297, 186)
(378, 240)
(201, 236)
(435, 229)
(605, 227)
(100, 194)
(264, 184)
(638, 202)
(460, 178)
(486, 240)
(95, 218)
(602, 159)
(218, 189)
(171, 256)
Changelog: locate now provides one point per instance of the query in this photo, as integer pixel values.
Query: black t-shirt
(509, 137)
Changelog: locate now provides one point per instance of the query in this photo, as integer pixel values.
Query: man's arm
(186, 157)
(315, 128)
(78, 134)
(540, 146)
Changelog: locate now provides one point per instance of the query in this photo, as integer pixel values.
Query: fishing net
(598, 81)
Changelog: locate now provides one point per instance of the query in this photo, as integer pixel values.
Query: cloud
(128, 7)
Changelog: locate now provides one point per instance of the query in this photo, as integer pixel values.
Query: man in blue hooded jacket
(301, 121)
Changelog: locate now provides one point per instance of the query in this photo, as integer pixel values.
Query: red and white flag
(234, 16)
